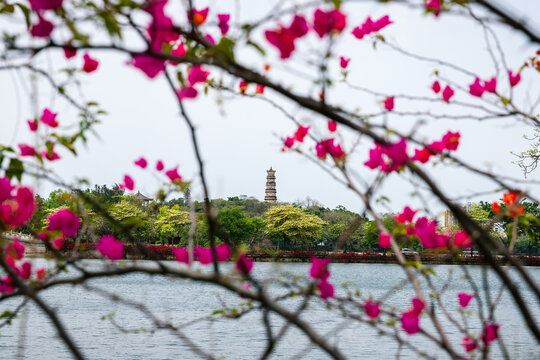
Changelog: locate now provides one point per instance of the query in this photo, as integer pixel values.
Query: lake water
(180, 301)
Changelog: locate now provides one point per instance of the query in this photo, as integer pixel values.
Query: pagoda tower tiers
(270, 192)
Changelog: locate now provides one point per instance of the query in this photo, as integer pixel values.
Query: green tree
(171, 222)
(134, 217)
(479, 214)
(235, 224)
(293, 225)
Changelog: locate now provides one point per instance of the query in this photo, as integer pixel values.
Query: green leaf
(337, 3)
(111, 24)
(6, 314)
(180, 78)
(257, 47)
(505, 101)
(15, 169)
(414, 264)
(26, 13)
(225, 48)
(7, 9)
(218, 312)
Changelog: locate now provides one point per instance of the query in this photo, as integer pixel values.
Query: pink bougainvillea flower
(181, 255)
(299, 27)
(65, 221)
(284, 37)
(447, 94)
(326, 289)
(50, 155)
(197, 75)
(421, 155)
(90, 64)
(187, 93)
(410, 322)
(199, 16)
(223, 23)
(437, 147)
(173, 175)
(32, 124)
(332, 126)
(288, 142)
(27, 150)
(463, 240)
(476, 88)
(406, 216)
(396, 155)
(160, 30)
(204, 255)
(223, 252)
(369, 26)
(243, 264)
(49, 118)
(243, 86)
(372, 309)
(179, 50)
(418, 305)
(42, 29)
(326, 22)
(160, 166)
(128, 183)
(513, 78)
(344, 62)
(436, 87)
(451, 140)
(319, 268)
(69, 51)
(329, 147)
(5, 189)
(321, 151)
(210, 39)
(301, 133)
(58, 243)
(381, 23)
(109, 247)
(427, 233)
(384, 240)
(490, 333)
(45, 4)
(141, 162)
(468, 344)
(149, 65)
(24, 271)
(464, 299)
(434, 6)
(389, 103)
(17, 210)
(375, 157)
(491, 85)
(259, 89)
(15, 250)
(7, 285)
(41, 274)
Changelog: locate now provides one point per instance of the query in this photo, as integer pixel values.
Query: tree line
(246, 221)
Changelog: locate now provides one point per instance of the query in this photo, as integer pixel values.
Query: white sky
(241, 139)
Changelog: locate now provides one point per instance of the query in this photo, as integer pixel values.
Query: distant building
(447, 218)
(141, 198)
(270, 191)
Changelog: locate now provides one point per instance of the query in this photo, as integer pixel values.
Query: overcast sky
(241, 138)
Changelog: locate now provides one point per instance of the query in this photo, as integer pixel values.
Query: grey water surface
(182, 301)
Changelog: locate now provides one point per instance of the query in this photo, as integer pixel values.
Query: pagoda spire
(270, 192)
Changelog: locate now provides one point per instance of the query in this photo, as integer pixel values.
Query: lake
(180, 301)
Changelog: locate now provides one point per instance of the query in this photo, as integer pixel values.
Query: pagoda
(270, 192)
